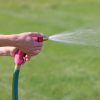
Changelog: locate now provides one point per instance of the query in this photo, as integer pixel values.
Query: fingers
(38, 44)
(37, 48)
(28, 57)
(36, 52)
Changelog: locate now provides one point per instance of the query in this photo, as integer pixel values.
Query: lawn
(61, 71)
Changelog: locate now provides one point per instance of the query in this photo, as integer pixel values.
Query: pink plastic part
(19, 58)
(38, 39)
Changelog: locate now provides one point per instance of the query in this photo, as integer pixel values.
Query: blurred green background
(61, 71)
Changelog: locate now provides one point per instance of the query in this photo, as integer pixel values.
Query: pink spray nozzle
(40, 38)
(19, 58)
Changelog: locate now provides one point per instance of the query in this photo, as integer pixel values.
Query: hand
(29, 46)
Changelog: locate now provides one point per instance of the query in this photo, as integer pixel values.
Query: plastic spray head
(40, 38)
(45, 38)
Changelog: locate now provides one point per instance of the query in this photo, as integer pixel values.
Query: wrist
(13, 40)
(8, 40)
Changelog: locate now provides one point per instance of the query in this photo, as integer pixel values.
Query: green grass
(61, 71)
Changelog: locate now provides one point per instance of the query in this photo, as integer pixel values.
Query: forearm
(8, 51)
(8, 40)
(22, 41)
(4, 51)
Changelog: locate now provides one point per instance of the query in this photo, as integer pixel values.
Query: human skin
(11, 51)
(23, 42)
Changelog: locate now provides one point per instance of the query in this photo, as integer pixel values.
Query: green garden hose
(15, 83)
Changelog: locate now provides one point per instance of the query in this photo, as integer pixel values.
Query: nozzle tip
(45, 38)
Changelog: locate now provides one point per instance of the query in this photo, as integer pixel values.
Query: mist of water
(90, 37)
